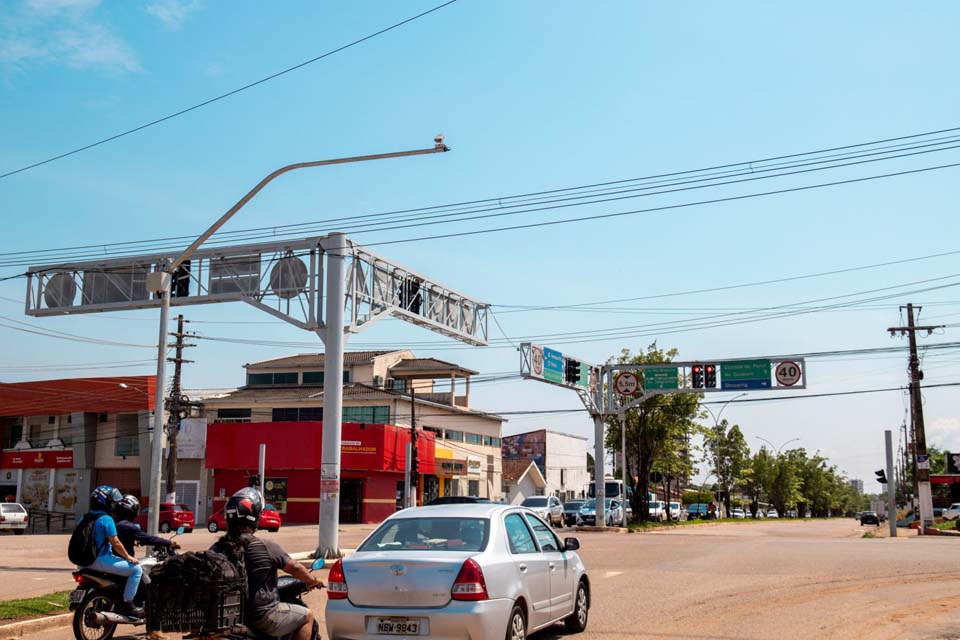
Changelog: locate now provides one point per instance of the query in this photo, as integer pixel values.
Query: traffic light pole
(891, 485)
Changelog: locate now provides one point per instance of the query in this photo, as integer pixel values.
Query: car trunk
(403, 579)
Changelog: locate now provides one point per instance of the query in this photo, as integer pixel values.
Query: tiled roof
(513, 470)
(316, 359)
(413, 365)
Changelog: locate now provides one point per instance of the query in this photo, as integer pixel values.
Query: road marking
(612, 574)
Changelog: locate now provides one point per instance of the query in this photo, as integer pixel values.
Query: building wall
(523, 490)
(566, 464)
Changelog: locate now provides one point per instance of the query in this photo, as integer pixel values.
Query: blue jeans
(120, 567)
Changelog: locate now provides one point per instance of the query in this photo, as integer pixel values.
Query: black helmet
(243, 508)
(105, 498)
(128, 508)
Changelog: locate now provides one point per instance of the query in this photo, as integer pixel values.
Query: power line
(225, 95)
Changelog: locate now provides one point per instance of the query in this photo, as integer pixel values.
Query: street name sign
(552, 365)
(661, 379)
(745, 374)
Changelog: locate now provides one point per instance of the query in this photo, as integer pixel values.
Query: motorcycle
(97, 594)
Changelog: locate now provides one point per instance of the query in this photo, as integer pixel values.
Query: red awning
(76, 395)
(944, 479)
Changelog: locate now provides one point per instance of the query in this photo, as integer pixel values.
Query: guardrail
(42, 521)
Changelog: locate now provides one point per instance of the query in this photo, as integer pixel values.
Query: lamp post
(775, 447)
(716, 417)
(159, 282)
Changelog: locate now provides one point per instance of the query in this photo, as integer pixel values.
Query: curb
(584, 527)
(26, 627)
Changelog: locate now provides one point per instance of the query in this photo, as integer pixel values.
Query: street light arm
(438, 148)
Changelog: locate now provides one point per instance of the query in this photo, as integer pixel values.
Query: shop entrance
(351, 501)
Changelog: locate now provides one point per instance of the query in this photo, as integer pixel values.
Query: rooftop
(417, 367)
(316, 359)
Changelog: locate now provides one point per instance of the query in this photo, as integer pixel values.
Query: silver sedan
(471, 572)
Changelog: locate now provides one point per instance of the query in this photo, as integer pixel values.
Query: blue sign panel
(737, 385)
(552, 365)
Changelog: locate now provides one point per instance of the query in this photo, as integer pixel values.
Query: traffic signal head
(710, 376)
(571, 371)
(881, 476)
(696, 376)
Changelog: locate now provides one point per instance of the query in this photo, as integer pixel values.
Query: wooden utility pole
(920, 459)
(175, 405)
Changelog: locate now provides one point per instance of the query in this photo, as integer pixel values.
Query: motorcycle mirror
(317, 564)
(180, 530)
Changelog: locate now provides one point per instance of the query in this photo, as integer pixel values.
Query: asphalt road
(786, 579)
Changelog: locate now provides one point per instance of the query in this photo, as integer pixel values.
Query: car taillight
(469, 584)
(2, 519)
(337, 582)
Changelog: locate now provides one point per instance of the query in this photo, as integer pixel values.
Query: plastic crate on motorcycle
(196, 592)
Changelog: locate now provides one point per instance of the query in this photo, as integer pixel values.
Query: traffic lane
(34, 565)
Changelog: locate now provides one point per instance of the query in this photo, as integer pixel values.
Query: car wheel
(212, 526)
(577, 621)
(18, 532)
(164, 527)
(517, 626)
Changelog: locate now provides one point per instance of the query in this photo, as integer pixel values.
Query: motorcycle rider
(262, 559)
(112, 557)
(130, 533)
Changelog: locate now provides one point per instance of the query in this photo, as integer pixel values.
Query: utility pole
(411, 497)
(176, 406)
(916, 414)
(891, 486)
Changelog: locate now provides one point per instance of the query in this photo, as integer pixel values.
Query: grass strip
(33, 607)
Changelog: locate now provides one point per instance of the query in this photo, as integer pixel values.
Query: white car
(737, 513)
(481, 571)
(547, 507)
(952, 512)
(772, 513)
(657, 510)
(676, 511)
(13, 517)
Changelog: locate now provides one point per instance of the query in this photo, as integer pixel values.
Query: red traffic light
(710, 368)
(696, 368)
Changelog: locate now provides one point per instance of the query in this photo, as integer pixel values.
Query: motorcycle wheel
(93, 603)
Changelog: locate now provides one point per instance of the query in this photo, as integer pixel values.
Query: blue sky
(531, 96)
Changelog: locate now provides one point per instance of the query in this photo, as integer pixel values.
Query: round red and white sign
(788, 373)
(536, 360)
(626, 383)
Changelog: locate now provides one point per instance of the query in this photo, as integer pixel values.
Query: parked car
(270, 520)
(676, 511)
(952, 512)
(13, 517)
(172, 517)
(547, 507)
(772, 513)
(570, 510)
(588, 512)
(458, 571)
(737, 513)
(658, 510)
(458, 500)
(699, 510)
(869, 517)
(792, 513)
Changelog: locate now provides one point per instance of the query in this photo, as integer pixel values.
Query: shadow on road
(40, 569)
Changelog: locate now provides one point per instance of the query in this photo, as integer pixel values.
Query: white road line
(612, 574)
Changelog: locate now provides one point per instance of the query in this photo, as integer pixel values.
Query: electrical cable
(224, 95)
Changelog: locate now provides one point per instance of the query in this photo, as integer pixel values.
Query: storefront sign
(355, 446)
(474, 465)
(275, 492)
(37, 459)
(192, 439)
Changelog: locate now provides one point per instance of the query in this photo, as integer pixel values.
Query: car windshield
(429, 534)
(534, 502)
(12, 508)
(572, 506)
(589, 504)
(177, 507)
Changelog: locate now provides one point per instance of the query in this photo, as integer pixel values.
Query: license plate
(397, 626)
(76, 596)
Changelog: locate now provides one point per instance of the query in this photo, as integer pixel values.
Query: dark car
(570, 510)
(458, 500)
(869, 517)
(700, 510)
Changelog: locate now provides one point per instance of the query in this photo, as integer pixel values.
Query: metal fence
(42, 521)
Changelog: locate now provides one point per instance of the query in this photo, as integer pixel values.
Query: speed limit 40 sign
(788, 373)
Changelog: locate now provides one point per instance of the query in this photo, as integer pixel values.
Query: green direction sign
(584, 380)
(661, 379)
(745, 374)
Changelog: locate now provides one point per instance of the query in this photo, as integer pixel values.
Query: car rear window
(534, 502)
(429, 534)
(179, 507)
(12, 508)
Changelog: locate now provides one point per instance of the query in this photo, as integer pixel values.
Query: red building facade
(371, 466)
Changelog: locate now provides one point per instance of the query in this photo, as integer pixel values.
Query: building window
(473, 488)
(474, 438)
(272, 379)
(284, 414)
(12, 432)
(316, 377)
(259, 379)
(376, 415)
(311, 414)
(234, 415)
(490, 441)
(286, 378)
(397, 385)
(455, 436)
(128, 435)
(434, 430)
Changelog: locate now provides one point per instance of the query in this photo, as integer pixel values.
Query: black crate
(194, 608)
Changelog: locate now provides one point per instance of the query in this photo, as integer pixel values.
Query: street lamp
(716, 417)
(780, 448)
(159, 282)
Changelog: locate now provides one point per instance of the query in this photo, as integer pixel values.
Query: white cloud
(945, 433)
(171, 13)
(62, 32)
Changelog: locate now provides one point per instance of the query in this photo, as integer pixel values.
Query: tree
(590, 464)
(785, 488)
(727, 454)
(657, 432)
(758, 477)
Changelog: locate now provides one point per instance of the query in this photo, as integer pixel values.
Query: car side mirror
(317, 564)
(571, 544)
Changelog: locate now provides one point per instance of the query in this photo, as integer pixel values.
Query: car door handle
(523, 567)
